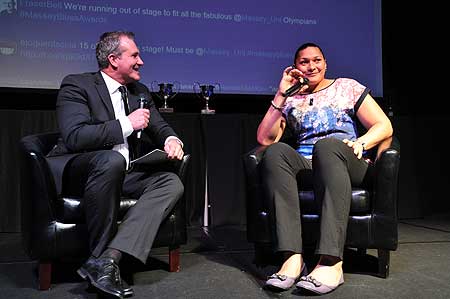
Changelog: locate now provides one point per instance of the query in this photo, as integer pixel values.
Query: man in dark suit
(101, 121)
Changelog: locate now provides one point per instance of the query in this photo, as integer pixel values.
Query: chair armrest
(251, 160)
(181, 167)
(38, 190)
(385, 194)
(258, 224)
(256, 152)
(173, 230)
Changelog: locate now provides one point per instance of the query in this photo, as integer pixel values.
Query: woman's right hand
(291, 75)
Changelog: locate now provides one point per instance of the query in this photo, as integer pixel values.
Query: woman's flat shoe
(280, 282)
(311, 284)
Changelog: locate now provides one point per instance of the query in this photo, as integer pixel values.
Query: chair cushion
(70, 210)
(360, 202)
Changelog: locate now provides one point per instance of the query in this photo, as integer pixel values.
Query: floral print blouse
(329, 112)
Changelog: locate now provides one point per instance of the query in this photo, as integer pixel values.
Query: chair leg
(174, 259)
(383, 263)
(44, 275)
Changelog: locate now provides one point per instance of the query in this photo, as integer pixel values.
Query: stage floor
(218, 263)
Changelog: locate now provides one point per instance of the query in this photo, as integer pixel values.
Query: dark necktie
(123, 91)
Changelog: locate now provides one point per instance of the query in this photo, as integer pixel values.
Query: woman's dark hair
(109, 44)
(307, 45)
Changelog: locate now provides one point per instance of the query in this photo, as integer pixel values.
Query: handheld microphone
(142, 103)
(294, 88)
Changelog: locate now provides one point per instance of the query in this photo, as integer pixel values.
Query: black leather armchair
(373, 216)
(53, 226)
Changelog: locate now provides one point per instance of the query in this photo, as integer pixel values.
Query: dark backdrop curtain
(13, 125)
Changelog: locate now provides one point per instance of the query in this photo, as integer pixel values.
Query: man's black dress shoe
(127, 290)
(103, 274)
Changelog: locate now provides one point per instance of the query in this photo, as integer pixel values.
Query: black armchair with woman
(329, 157)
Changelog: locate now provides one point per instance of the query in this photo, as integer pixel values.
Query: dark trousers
(100, 177)
(332, 172)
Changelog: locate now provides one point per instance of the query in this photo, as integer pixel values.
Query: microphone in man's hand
(142, 104)
(294, 88)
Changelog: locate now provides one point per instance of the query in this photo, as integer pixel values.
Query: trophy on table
(166, 92)
(205, 92)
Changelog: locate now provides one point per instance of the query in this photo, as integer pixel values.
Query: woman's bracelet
(276, 107)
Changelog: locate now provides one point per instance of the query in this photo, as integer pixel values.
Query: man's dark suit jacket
(87, 121)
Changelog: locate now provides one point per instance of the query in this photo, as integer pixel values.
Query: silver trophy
(205, 92)
(166, 92)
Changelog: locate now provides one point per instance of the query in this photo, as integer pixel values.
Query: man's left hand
(174, 150)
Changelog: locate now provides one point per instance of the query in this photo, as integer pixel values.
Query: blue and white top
(329, 112)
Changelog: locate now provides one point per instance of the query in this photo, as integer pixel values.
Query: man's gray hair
(109, 43)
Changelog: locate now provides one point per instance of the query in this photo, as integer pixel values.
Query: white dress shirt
(119, 111)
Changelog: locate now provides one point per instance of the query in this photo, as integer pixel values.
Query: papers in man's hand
(154, 157)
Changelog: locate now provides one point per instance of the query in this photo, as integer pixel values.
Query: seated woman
(329, 157)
